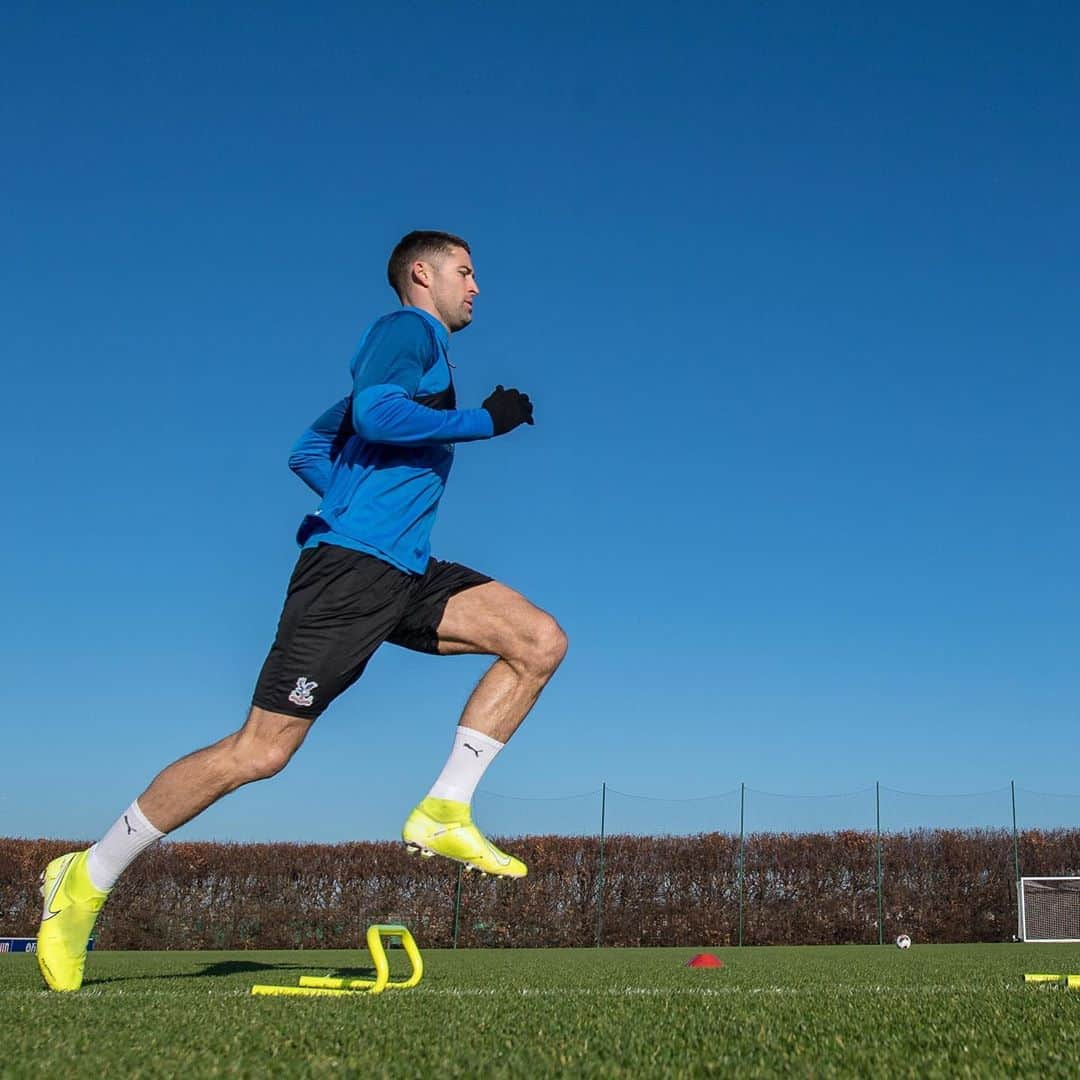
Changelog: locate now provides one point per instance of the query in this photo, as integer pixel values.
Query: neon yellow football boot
(444, 827)
(71, 909)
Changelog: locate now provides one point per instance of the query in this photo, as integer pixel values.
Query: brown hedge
(940, 885)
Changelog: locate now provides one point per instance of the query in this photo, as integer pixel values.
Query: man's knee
(267, 760)
(542, 646)
(267, 743)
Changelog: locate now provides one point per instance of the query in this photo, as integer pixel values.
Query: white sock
(473, 752)
(129, 836)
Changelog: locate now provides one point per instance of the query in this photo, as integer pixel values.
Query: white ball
(903, 942)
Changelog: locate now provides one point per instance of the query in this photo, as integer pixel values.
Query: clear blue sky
(795, 293)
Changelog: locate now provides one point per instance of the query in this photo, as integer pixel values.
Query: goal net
(1050, 909)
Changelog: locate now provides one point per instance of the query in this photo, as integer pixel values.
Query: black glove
(508, 408)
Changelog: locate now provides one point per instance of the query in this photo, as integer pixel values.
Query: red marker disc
(705, 960)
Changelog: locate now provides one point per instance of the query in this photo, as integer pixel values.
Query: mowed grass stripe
(844, 1011)
(626, 991)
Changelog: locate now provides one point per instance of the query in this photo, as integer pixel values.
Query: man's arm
(385, 413)
(386, 375)
(313, 456)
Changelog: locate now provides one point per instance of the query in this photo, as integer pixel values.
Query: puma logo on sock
(473, 749)
(130, 830)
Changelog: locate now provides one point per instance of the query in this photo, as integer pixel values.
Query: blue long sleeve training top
(380, 457)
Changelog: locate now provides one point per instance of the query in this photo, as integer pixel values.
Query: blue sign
(26, 944)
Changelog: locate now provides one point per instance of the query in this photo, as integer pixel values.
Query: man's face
(452, 283)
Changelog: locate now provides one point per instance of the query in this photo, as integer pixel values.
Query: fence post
(742, 853)
(600, 870)
(457, 904)
(1016, 855)
(880, 902)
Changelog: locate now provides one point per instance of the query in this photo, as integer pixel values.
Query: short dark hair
(420, 244)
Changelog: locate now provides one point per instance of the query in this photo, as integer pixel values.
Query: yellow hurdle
(317, 986)
(297, 991)
(1070, 982)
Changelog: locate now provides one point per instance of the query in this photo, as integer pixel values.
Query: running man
(379, 459)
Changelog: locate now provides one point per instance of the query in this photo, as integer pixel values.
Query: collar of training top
(440, 331)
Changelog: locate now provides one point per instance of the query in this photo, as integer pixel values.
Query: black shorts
(340, 607)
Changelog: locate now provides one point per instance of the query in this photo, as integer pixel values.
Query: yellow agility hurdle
(1070, 982)
(317, 986)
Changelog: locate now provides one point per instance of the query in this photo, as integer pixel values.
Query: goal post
(1049, 908)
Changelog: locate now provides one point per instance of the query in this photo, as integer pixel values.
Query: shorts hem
(296, 712)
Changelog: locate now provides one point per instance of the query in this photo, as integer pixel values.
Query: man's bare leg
(528, 645)
(494, 620)
(260, 749)
(76, 885)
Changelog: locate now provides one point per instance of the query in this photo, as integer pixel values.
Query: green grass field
(948, 1010)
